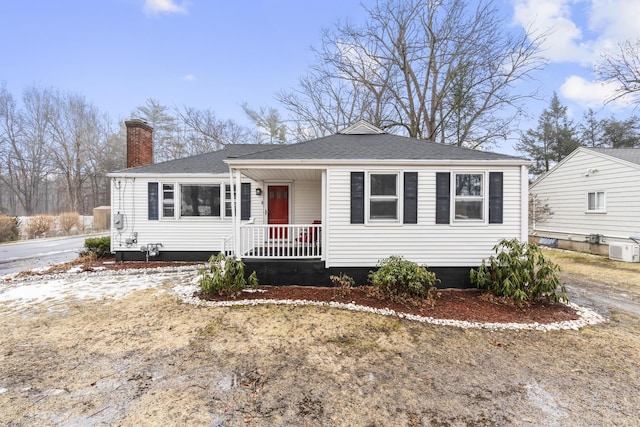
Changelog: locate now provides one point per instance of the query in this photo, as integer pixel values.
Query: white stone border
(586, 316)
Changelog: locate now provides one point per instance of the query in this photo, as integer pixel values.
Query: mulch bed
(471, 305)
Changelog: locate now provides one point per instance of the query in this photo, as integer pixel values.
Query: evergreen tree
(620, 134)
(591, 132)
(552, 140)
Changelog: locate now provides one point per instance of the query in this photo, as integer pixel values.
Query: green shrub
(401, 280)
(521, 272)
(8, 228)
(225, 277)
(100, 247)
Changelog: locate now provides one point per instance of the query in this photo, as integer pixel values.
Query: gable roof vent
(362, 127)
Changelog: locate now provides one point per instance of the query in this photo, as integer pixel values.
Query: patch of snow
(543, 400)
(18, 295)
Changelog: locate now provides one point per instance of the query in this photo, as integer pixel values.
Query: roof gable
(628, 156)
(361, 127)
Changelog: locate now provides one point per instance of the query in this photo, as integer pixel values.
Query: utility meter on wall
(118, 221)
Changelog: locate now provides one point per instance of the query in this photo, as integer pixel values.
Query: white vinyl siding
(129, 198)
(565, 189)
(307, 200)
(363, 245)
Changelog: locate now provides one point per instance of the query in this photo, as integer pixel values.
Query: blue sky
(217, 54)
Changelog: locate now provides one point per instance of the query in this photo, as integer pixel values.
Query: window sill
(382, 222)
(595, 212)
(468, 222)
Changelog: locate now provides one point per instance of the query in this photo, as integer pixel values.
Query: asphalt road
(33, 254)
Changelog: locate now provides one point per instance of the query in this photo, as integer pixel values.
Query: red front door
(278, 203)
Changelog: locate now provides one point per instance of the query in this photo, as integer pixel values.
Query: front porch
(281, 241)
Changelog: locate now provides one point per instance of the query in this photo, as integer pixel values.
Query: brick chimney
(139, 143)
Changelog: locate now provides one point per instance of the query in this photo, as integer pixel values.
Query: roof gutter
(262, 164)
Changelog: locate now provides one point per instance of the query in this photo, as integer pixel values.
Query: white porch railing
(286, 241)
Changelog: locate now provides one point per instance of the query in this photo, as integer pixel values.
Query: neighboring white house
(335, 204)
(594, 196)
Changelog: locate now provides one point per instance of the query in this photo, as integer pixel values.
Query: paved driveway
(39, 253)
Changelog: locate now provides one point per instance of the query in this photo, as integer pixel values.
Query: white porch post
(324, 218)
(234, 217)
(236, 195)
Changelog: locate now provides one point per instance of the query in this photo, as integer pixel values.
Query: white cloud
(615, 19)
(589, 93)
(189, 78)
(579, 33)
(564, 39)
(155, 7)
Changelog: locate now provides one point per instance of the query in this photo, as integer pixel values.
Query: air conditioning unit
(627, 252)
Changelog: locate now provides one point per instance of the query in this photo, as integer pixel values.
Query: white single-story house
(298, 213)
(594, 197)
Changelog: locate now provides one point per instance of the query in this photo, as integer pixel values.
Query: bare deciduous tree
(539, 211)
(24, 145)
(438, 70)
(206, 132)
(623, 69)
(76, 131)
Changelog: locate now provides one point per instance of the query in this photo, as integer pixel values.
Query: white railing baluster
(271, 241)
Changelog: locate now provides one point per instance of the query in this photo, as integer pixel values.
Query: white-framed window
(228, 201)
(168, 201)
(384, 196)
(468, 197)
(596, 201)
(200, 200)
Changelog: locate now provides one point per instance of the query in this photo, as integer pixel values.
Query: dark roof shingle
(212, 162)
(335, 147)
(373, 147)
(629, 154)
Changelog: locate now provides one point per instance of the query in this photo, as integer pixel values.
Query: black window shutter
(153, 201)
(495, 198)
(357, 197)
(245, 201)
(410, 211)
(443, 196)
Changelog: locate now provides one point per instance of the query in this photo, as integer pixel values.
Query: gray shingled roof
(372, 147)
(629, 154)
(212, 162)
(335, 147)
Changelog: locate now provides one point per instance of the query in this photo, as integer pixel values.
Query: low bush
(67, 221)
(342, 284)
(521, 272)
(39, 225)
(99, 247)
(224, 276)
(9, 230)
(401, 280)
